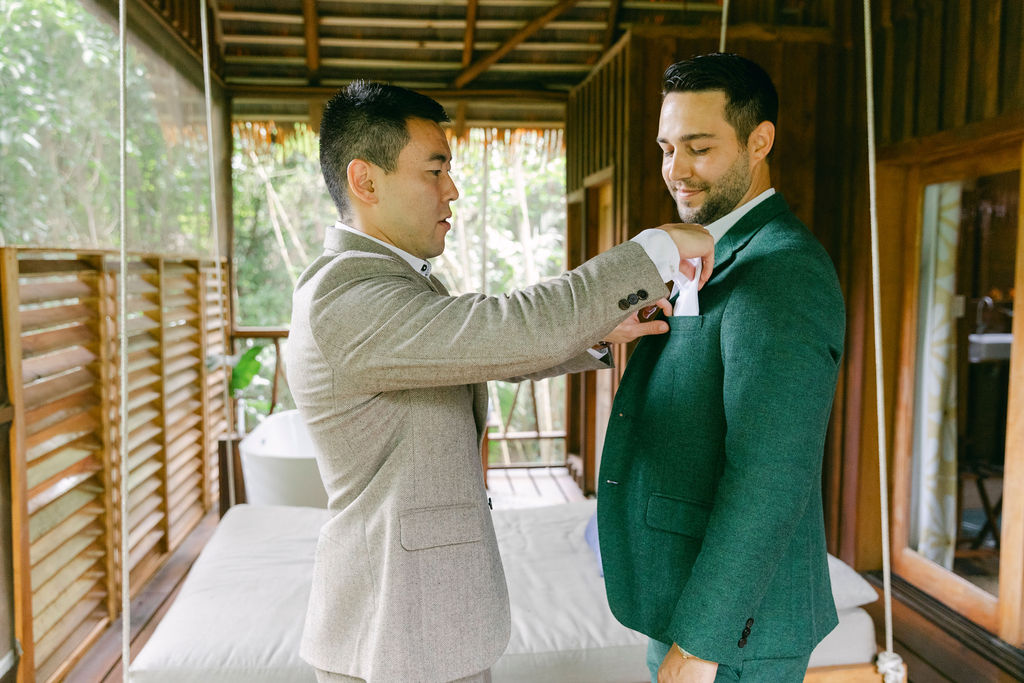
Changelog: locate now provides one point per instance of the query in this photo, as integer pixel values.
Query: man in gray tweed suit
(387, 370)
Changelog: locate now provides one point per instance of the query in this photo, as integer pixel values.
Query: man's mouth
(687, 192)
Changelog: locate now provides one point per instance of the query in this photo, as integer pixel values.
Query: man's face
(413, 208)
(706, 168)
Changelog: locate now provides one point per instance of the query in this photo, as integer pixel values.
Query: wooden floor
(507, 488)
(531, 487)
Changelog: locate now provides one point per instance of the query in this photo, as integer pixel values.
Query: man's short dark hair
(750, 96)
(367, 120)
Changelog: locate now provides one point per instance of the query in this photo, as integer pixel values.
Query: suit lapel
(340, 241)
(741, 233)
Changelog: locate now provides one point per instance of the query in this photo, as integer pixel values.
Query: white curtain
(934, 516)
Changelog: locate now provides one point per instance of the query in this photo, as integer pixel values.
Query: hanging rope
(725, 24)
(122, 333)
(215, 224)
(889, 664)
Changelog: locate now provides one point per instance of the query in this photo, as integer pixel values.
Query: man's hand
(692, 241)
(631, 328)
(678, 669)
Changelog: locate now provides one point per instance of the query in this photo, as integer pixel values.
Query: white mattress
(238, 617)
(562, 628)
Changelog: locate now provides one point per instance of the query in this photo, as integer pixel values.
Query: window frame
(1002, 614)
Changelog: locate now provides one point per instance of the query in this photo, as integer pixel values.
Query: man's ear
(360, 175)
(761, 140)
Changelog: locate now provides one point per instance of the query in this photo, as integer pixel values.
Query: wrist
(690, 657)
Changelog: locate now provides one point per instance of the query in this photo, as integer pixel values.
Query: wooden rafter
(467, 43)
(283, 92)
(401, 44)
(613, 24)
(481, 65)
(312, 25)
(467, 59)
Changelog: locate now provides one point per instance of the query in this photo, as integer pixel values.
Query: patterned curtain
(935, 437)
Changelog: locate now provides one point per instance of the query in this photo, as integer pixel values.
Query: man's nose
(453, 192)
(680, 167)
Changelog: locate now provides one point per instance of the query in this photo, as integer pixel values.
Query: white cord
(888, 663)
(725, 24)
(215, 222)
(122, 305)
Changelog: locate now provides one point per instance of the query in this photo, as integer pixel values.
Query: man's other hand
(631, 328)
(676, 668)
(692, 241)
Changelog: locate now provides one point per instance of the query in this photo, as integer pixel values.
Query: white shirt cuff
(661, 250)
(599, 355)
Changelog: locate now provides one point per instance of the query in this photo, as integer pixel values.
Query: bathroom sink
(989, 346)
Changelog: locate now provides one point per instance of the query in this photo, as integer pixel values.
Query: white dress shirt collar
(721, 226)
(419, 265)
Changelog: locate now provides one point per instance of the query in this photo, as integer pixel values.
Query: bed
(238, 617)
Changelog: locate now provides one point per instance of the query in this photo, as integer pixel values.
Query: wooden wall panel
(983, 102)
(956, 41)
(1011, 89)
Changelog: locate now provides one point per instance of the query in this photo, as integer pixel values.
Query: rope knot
(890, 666)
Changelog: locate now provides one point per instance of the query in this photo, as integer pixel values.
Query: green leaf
(245, 369)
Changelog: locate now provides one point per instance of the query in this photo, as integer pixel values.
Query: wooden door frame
(958, 157)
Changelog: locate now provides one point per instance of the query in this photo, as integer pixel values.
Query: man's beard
(720, 198)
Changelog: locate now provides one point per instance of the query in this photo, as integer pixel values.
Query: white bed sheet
(238, 617)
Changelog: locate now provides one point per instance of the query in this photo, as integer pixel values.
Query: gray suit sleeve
(382, 330)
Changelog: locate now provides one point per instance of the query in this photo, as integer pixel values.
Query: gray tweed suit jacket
(386, 368)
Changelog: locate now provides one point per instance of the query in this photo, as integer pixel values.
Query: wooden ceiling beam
(291, 92)
(481, 65)
(660, 6)
(398, 44)
(312, 26)
(470, 37)
(261, 17)
(613, 24)
(446, 24)
(467, 59)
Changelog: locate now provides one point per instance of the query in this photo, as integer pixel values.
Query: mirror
(965, 314)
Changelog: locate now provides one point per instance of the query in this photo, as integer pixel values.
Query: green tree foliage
(281, 208)
(59, 137)
(508, 232)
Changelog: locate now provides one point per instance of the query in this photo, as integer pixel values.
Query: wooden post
(204, 397)
(109, 375)
(1011, 558)
(230, 463)
(9, 297)
(165, 494)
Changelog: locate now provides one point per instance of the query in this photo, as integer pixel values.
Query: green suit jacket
(709, 504)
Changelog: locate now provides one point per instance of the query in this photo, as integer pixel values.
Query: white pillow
(849, 589)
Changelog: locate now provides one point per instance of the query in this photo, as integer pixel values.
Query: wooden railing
(500, 437)
(62, 362)
(276, 335)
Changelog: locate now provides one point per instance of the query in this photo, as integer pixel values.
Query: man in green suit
(709, 505)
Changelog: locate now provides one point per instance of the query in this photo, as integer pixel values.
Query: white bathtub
(279, 463)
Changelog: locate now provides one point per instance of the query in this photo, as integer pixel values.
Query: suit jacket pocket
(449, 525)
(678, 516)
(684, 323)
